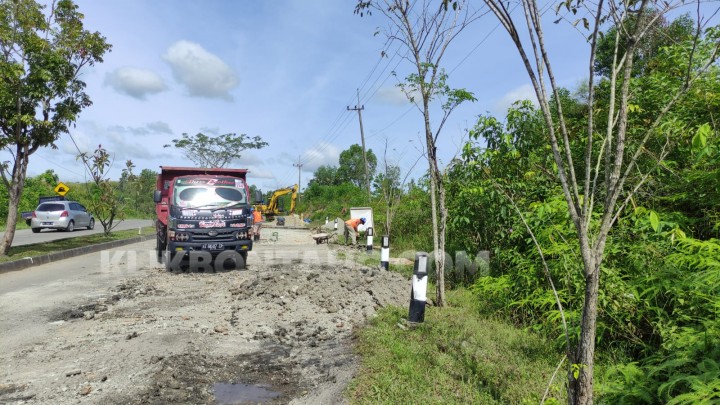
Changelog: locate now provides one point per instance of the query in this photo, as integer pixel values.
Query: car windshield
(49, 207)
(213, 193)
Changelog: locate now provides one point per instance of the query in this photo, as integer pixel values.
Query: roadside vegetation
(657, 328)
(454, 357)
(39, 249)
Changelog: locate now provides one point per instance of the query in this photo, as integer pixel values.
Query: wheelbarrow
(322, 237)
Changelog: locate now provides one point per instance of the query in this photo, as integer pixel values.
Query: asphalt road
(26, 237)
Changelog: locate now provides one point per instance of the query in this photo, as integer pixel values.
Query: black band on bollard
(418, 292)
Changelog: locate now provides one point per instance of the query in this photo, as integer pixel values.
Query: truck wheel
(241, 266)
(168, 258)
(36, 230)
(160, 246)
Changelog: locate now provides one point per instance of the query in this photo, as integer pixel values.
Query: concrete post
(418, 293)
(369, 243)
(385, 252)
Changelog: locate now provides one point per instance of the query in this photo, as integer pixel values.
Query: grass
(39, 249)
(455, 356)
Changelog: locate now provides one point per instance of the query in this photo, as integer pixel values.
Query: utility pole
(299, 166)
(359, 109)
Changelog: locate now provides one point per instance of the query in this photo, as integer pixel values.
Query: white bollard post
(326, 220)
(418, 293)
(336, 224)
(369, 243)
(385, 252)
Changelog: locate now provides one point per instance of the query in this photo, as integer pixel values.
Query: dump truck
(203, 220)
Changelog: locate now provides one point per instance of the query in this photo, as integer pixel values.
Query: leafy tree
(599, 180)
(390, 186)
(325, 176)
(137, 191)
(426, 29)
(219, 151)
(104, 197)
(352, 165)
(35, 187)
(41, 93)
(660, 33)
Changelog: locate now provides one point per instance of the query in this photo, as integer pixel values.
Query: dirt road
(126, 331)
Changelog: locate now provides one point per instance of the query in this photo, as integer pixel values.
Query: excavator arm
(272, 207)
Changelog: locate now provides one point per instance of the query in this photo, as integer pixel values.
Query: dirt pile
(280, 332)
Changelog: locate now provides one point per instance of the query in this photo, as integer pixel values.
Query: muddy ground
(280, 331)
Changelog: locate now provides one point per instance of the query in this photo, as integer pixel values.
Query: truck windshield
(208, 193)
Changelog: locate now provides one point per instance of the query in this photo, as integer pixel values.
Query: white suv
(65, 215)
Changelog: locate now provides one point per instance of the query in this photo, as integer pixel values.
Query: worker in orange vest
(351, 229)
(257, 223)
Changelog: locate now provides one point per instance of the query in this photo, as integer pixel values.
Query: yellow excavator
(272, 208)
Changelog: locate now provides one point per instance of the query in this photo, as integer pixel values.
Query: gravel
(280, 331)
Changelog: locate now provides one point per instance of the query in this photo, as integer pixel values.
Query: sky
(286, 71)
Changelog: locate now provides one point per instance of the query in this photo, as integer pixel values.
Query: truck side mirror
(157, 196)
(257, 196)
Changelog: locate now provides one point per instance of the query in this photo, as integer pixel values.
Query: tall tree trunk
(437, 201)
(15, 190)
(580, 390)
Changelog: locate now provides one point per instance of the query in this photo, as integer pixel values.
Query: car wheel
(36, 230)
(91, 225)
(71, 226)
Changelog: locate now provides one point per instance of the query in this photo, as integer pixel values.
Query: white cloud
(248, 159)
(202, 73)
(393, 95)
(524, 92)
(322, 154)
(255, 172)
(137, 83)
(159, 127)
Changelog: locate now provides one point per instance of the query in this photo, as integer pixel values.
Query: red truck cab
(203, 217)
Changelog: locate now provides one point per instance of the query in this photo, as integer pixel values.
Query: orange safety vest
(353, 222)
(257, 216)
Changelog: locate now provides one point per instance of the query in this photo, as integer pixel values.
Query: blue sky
(283, 70)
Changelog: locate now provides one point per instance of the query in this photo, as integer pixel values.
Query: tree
(390, 186)
(137, 191)
(219, 151)
(104, 197)
(426, 29)
(41, 93)
(599, 180)
(325, 176)
(352, 165)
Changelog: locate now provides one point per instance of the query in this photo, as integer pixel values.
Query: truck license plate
(47, 223)
(213, 246)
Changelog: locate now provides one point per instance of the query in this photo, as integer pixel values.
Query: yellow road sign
(61, 189)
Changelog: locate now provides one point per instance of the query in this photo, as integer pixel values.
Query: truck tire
(168, 256)
(244, 256)
(36, 230)
(160, 247)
